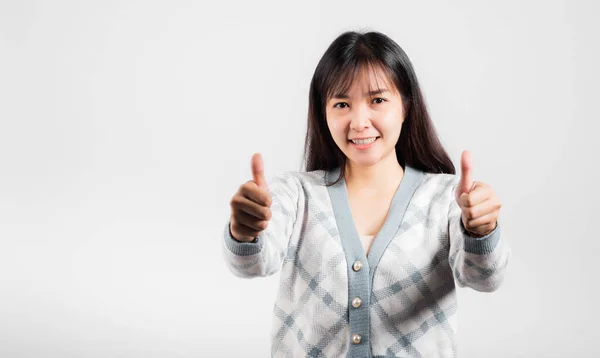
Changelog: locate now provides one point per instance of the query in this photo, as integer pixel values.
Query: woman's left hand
(479, 204)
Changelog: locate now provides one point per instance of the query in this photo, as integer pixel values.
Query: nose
(361, 119)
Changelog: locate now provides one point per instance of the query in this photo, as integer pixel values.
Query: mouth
(363, 141)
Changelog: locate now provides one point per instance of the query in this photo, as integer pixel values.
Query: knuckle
(236, 200)
(254, 233)
(470, 213)
(235, 222)
(269, 214)
(265, 213)
(246, 187)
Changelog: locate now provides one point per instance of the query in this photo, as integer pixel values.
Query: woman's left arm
(478, 254)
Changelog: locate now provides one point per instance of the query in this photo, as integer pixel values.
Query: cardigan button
(356, 338)
(356, 302)
(357, 265)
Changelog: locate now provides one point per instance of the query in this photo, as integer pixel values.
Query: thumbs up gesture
(250, 206)
(479, 204)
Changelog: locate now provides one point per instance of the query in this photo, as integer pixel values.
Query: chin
(364, 162)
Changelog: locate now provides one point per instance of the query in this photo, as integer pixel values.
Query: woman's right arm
(256, 237)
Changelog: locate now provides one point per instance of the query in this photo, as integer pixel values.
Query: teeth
(363, 141)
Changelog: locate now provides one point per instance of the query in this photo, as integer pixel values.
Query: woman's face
(374, 114)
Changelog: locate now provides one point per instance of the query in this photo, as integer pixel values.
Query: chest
(369, 211)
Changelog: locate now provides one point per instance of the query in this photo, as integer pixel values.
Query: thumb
(466, 175)
(258, 171)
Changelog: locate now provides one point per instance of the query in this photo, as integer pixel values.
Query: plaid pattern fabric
(411, 301)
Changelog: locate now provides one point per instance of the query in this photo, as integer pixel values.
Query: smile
(363, 143)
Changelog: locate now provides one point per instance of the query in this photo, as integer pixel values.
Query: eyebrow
(371, 93)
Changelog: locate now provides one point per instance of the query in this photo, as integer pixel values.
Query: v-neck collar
(343, 215)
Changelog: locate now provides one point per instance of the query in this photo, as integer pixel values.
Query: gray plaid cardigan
(399, 301)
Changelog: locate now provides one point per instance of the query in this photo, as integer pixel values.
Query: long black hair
(418, 145)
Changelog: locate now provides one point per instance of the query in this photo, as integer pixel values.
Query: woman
(373, 237)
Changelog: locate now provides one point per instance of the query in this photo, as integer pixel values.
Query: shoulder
(440, 183)
(297, 180)
(442, 179)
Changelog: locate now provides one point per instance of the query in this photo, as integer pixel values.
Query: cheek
(336, 127)
(392, 122)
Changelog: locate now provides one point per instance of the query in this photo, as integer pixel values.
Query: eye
(340, 105)
(379, 100)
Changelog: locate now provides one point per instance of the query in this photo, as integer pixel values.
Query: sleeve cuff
(242, 248)
(481, 245)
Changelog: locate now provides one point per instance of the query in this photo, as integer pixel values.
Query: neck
(387, 173)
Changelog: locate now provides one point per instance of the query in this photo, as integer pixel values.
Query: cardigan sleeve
(264, 256)
(477, 262)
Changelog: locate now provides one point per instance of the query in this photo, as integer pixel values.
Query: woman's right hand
(250, 206)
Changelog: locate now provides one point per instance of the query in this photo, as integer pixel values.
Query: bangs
(344, 75)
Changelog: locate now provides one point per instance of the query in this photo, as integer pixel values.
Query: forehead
(371, 78)
(362, 80)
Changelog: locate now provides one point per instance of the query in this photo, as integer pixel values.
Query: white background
(126, 127)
